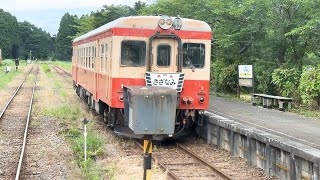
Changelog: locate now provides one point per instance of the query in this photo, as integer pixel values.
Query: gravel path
(235, 167)
(12, 126)
(48, 156)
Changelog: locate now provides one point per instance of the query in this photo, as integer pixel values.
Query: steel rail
(27, 127)
(221, 174)
(15, 93)
(63, 70)
(155, 159)
(55, 68)
(204, 162)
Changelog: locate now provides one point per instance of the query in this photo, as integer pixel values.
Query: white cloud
(47, 13)
(24, 5)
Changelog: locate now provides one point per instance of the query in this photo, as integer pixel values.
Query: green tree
(85, 24)
(35, 40)
(110, 13)
(67, 30)
(287, 81)
(310, 86)
(9, 35)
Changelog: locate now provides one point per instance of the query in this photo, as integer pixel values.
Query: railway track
(64, 73)
(14, 123)
(177, 160)
(180, 163)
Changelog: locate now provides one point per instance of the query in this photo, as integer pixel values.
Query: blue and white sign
(245, 71)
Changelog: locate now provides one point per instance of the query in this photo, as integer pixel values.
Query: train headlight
(177, 23)
(201, 100)
(165, 22)
(169, 22)
(161, 22)
(121, 98)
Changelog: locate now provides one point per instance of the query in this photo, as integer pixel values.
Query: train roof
(145, 22)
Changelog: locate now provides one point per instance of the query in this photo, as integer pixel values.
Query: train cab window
(133, 53)
(193, 55)
(163, 55)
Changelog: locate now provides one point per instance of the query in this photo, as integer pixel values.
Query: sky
(47, 14)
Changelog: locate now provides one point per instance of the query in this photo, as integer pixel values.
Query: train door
(108, 55)
(164, 55)
(75, 63)
(107, 66)
(96, 69)
(104, 68)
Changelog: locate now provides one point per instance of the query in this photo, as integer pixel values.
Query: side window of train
(133, 53)
(101, 56)
(193, 55)
(78, 57)
(106, 58)
(89, 57)
(82, 57)
(93, 54)
(163, 55)
(87, 53)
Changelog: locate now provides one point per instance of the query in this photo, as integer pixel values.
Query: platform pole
(147, 157)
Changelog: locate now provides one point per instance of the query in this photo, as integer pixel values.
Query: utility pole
(29, 57)
(30, 54)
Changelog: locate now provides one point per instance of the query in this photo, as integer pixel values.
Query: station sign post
(245, 77)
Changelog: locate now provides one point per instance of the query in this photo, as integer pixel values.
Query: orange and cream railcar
(144, 51)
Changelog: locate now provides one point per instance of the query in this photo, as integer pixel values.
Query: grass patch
(71, 113)
(112, 171)
(71, 116)
(46, 68)
(58, 86)
(94, 150)
(306, 112)
(67, 65)
(5, 78)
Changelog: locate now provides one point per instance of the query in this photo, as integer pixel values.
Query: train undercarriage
(185, 122)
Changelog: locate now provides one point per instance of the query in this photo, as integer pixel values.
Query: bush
(224, 76)
(287, 81)
(46, 68)
(310, 86)
(263, 77)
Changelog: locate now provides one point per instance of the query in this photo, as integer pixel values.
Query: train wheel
(109, 117)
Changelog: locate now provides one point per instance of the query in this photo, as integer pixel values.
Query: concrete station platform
(284, 144)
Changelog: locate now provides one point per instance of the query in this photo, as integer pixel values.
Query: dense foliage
(21, 39)
(67, 31)
(35, 40)
(310, 86)
(9, 35)
(286, 81)
(281, 38)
